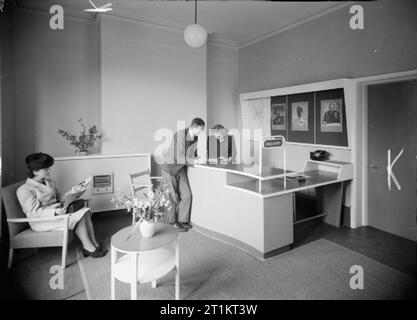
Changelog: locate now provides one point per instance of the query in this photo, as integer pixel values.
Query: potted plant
(85, 140)
(147, 209)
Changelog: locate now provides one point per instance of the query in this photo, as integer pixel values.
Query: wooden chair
(22, 236)
(141, 181)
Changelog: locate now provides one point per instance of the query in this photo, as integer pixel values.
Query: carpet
(31, 274)
(213, 270)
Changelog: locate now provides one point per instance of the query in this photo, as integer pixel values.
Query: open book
(76, 192)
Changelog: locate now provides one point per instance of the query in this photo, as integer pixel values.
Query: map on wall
(256, 115)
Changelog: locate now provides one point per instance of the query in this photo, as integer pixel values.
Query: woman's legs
(81, 230)
(90, 228)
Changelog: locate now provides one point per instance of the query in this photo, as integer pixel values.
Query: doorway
(392, 127)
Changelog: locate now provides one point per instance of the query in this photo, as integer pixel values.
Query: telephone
(319, 155)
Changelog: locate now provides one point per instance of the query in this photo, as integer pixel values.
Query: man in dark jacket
(181, 153)
(220, 145)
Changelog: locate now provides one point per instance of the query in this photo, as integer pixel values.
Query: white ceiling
(236, 23)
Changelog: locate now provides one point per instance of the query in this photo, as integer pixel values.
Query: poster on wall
(278, 117)
(299, 116)
(255, 117)
(331, 115)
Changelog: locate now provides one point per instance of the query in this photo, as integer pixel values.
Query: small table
(144, 259)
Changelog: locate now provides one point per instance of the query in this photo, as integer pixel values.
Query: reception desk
(253, 209)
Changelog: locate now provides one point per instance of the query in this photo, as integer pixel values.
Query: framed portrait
(330, 118)
(278, 116)
(331, 115)
(299, 116)
(300, 119)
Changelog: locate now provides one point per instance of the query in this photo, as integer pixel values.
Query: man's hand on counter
(200, 160)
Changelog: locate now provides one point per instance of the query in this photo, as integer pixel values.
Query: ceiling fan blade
(91, 2)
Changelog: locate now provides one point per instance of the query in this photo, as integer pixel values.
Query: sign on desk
(273, 142)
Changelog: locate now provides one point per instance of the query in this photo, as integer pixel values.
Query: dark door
(392, 124)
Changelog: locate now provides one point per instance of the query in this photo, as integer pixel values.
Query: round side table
(144, 259)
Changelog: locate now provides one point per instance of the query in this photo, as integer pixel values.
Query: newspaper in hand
(76, 192)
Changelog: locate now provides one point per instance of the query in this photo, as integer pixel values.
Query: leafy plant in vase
(85, 140)
(146, 210)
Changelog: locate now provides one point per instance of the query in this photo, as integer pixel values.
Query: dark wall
(7, 106)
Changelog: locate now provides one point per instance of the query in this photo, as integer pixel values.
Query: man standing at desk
(181, 153)
(220, 145)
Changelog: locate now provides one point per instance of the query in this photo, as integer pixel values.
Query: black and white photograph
(331, 115)
(189, 151)
(299, 116)
(278, 116)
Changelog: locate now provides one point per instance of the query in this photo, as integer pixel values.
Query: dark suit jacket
(181, 150)
(226, 149)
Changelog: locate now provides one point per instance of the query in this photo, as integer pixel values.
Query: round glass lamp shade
(195, 35)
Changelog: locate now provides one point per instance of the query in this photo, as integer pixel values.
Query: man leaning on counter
(181, 153)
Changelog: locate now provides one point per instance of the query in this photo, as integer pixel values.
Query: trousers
(180, 196)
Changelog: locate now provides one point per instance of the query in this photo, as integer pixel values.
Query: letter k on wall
(390, 173)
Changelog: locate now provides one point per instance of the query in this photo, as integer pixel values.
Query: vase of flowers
(85, 140)
(146, 209)
(147, 228)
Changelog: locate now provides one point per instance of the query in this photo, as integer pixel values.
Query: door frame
(361, 85)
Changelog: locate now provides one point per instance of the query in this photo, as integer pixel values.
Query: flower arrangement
(150, 207)
(85, 140)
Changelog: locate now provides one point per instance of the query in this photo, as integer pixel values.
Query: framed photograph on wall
(331, 116)
(279, 115)
(300, 117)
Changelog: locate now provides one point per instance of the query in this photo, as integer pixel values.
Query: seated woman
(40, 198)
(220, 145)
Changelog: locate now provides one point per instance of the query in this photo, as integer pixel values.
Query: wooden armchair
(22, 236)
(141, 181)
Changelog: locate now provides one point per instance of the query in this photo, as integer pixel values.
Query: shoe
(101, 248)
(186, 225)
(179, 227)
(94, 254)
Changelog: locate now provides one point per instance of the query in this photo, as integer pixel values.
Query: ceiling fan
(102, 9)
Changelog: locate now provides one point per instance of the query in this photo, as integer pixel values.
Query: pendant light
(195, 35)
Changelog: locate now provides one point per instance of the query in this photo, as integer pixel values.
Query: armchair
(22, 236)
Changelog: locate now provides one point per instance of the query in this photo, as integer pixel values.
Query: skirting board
(239, 244)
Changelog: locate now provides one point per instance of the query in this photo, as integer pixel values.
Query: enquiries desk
(253, 209)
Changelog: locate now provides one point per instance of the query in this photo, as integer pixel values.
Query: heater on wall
(103, 183)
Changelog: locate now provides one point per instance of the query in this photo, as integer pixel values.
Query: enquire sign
(273, 142)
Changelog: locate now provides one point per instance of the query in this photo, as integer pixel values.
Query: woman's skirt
(76, 210)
